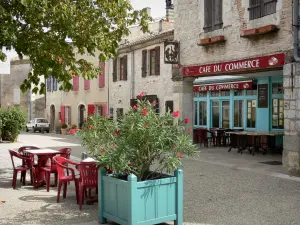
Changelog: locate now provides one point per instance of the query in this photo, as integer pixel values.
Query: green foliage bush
(140, 140)
(13, 121)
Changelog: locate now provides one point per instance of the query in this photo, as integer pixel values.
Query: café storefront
(250, 96)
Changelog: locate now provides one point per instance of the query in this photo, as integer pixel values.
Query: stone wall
(189, 22)
(291, 152)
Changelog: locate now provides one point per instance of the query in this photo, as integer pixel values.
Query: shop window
(215, 94)
(202, 113)
(277, 88)
(239, 92)
(251, 113)
(238, 113)
(277, 113)
(225, 93)
(225, 114)
(252, 91)
(196, 113)
(202, 94)
(261, 8)
(196, 94)
(215, 114)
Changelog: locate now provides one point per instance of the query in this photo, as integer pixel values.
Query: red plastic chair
(27, 166)
(21, 151)
(50, 167)
(88, 179)
(61, 166)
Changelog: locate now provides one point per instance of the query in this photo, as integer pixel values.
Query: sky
(157, 6)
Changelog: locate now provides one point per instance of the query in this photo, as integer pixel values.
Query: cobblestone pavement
(220, 188)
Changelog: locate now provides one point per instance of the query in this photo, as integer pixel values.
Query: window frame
(152, 73)
(212, 17)
(262, 5)
(279, 97)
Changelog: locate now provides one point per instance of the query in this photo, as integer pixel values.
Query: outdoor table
(220, 136)
(43, 155)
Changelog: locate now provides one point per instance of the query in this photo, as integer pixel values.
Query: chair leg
(24, 177)
(58, 191)
(48, 181)
(77, 191)
(14, 183)
(81, 196)
(65, 189)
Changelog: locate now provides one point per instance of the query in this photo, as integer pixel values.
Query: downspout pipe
(296, 29)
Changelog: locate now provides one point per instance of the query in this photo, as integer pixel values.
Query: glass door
(225, 114)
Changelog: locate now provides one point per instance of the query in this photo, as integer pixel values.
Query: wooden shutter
(49, 84)
(54, 84)
(125, 67)
(208, 9)
(87, 84)
(75, 83)
(144, 63)
(91, 110)
(115, 76)
(102, 75)
(62, 114)
(104, 110)
(269, 7)
(255, 9)
(169, 106)
(157, 60)
(218, 14)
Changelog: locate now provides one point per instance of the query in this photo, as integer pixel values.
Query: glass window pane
(274, 88)
(225, 93)
(215, 114)
(251, 112)
(238, 92)
(225, 114)
(202, 117)
(280, 88)
(238, 113)
(202, 94)
(196, 113)
(215, 93)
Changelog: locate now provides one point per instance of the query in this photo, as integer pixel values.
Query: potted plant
(64, 129)
(73, 129)
(141, 150)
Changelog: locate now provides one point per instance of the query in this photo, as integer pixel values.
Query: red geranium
(91, 127)
(176, 113)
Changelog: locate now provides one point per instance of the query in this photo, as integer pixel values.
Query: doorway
(81, 109)
(220, 114)
(52, 117)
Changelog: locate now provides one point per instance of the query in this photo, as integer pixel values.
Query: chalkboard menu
(263, 97)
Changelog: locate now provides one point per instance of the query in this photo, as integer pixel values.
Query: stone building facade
(236, 30)
(140, 67)
(33, 104)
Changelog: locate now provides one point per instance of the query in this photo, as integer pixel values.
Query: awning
(237, 85)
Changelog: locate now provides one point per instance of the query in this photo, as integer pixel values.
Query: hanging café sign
(240, 85)
(264, 62)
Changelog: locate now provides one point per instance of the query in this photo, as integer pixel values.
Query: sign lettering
(224, 86)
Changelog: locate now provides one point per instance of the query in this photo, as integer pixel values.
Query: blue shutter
(54, 84)
(49, 84)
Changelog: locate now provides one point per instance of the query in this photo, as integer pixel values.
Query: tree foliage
(52, 33)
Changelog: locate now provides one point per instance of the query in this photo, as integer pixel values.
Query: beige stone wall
(189, 22)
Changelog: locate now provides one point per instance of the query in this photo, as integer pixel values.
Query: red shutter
(62, 114)
(104, 108)
(102, 75)
(91, 110)
(75, 83)
(87, 84)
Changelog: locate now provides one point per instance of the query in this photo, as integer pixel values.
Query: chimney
(148, 10)
(169, 10)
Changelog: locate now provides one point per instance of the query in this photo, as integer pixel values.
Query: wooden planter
(145, 203)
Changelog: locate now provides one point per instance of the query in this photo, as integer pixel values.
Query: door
(220, 114)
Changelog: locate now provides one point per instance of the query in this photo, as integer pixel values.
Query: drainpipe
(296, 29)
(132, 73)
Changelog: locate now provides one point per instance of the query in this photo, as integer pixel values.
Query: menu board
(263, 97)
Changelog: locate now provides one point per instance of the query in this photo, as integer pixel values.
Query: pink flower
(60, 60)
(145, 111)
(190, 130)
(179, 154)
(141, 95)
(154, 103)
(187, 120)
(91, 127)
(145, 126)
(174, 148)
(176, 113)
(134, 108)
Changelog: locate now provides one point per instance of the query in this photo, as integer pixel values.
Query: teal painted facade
(263, 116)
(146, 203)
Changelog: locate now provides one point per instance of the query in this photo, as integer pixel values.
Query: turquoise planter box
(146, 202)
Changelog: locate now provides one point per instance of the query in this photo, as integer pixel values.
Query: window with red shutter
(102, 75)
(91, 110)
(75, 83)
(87, 84)
(62, 114)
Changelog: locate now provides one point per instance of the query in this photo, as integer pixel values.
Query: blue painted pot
(146, 202)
